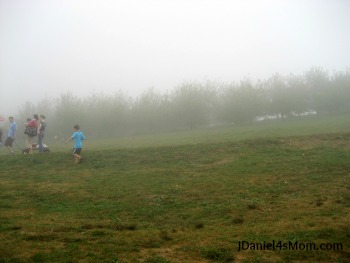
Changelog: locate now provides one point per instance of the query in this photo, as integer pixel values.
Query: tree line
(196, 104)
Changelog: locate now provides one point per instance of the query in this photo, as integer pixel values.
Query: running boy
(78, 137)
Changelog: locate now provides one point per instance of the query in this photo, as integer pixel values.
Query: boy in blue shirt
(78, 137)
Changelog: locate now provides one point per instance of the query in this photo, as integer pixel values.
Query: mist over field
(204, 125)
(195, 105)
(49, 48)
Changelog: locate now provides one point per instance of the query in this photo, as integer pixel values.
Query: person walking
(11, 134)
(31, 131)
(78, 137)
(41, 132)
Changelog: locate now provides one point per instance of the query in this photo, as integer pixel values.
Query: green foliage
(194, 105)
(241, 104)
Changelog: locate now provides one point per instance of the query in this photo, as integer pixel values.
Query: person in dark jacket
(41, 132)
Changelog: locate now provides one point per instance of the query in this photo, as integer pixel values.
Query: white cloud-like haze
(48, 47)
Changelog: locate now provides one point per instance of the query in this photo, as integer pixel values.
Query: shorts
(76, 150)
(29, 142)
(9, 141)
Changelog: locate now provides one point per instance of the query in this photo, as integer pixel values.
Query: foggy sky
(51, 46)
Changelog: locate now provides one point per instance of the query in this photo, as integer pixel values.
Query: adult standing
(41, 132)
(11, 134)
(31, 131)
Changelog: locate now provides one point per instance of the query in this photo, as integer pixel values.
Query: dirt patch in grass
(340, 140)
(171, 252)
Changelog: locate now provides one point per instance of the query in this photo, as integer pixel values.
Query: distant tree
(280, 104)
(68, 110)
(146, 110)
(339, 93)
(120, 113)
(192, 103)
(241, 103)
(298, 97)
(167, 114)
(318, 86)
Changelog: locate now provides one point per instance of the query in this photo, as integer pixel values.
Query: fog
(49, 47)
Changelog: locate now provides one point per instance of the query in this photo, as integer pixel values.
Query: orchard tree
(299, 98)
(241, 103)
(146, 110)
(280, 104)
(318, 86)
(192, 103)
(339, 92)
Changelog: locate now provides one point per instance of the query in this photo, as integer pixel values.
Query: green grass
(310, 125)
(269, 129)
(182, 201)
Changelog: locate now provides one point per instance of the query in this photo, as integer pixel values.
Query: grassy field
(183, 197)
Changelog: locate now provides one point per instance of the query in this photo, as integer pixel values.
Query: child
(11, 135)
(78, 137)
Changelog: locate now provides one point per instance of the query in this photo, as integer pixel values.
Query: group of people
(36, 127)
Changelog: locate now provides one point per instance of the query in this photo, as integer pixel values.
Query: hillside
(180, 202)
